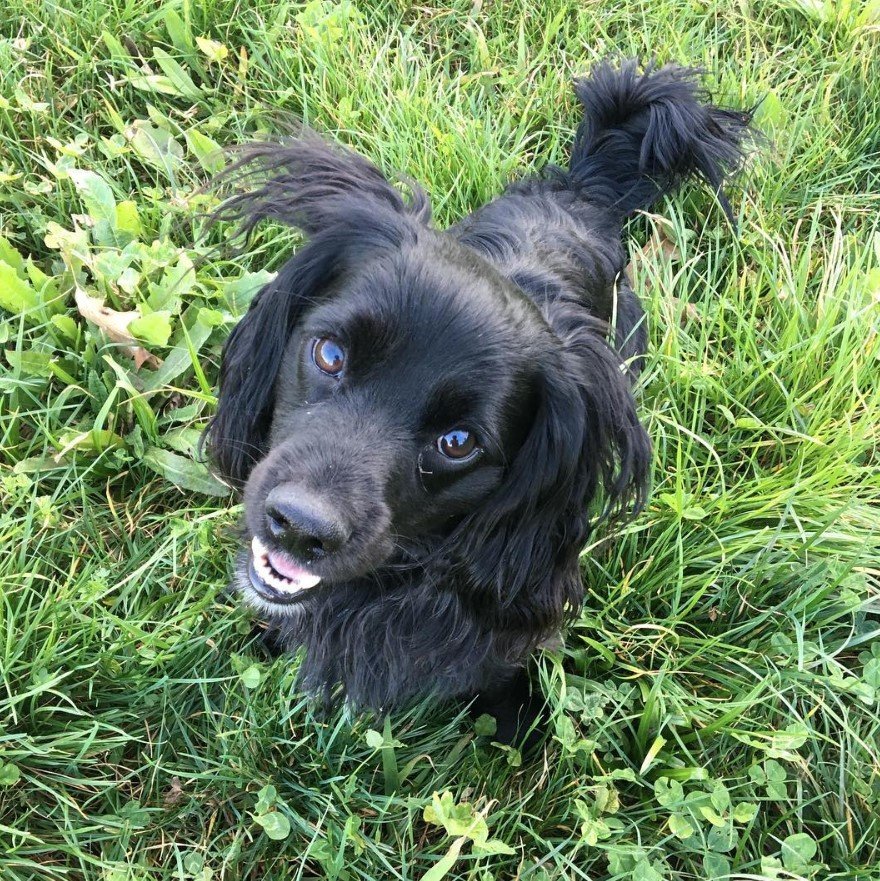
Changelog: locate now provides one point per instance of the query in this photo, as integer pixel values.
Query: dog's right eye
(328, 356)
(457, 444)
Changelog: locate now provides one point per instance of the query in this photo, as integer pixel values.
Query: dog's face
(391, 400)
(401, 398)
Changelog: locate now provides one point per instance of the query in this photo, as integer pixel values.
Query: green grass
(716, 708)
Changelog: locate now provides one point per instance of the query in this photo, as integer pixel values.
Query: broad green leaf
(154, 328)
(117, 50)
(771, 867)
(210, 317)
(594, 830)
(671, 501)
(722, 838)
(460, 820)
(644, 871)
(771, 113)
(783, 743)
(180, 357)
(668, 792)
(10, 256)
(154, 82)
(207, 152)
(680, 827)
(182, 81)
(212, 50)
(745, 812)
(275, 825)
(178, 31)
(184, 440)
(712, 816)
(748, 423)
(177, 281)
(694, 512)
(16, 294)
(97, 440)
(716, 867)
(45, 285)
(193, 862)
(441, 868)
(493, 846)
(30, 362)
(251, 677)
(720, 797)
(267, 798)
(511, 753)
(871, 673)
(9, 774)
(96, 195)
(155, 146)
(238, 292)
(127, 218)
(184, 472)
(607, 800)
(374, 739)
(797, 852)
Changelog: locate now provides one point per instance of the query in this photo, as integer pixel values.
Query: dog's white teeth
(272, 577)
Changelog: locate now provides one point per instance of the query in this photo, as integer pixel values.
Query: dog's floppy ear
(312, 185)
(237, 435)
(586, 445)
(348, 210)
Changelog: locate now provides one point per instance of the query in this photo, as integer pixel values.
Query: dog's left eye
(328, 356)
(457, 444)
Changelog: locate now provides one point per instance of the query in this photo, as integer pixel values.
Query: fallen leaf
(174, 793)
(658, 247)
(691, 313)
(115, 325)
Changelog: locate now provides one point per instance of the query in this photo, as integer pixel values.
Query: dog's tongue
(299, 576)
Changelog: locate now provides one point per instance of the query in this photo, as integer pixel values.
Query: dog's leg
(519, 710)
(269, 639)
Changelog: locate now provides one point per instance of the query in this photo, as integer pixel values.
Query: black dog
(423, 421)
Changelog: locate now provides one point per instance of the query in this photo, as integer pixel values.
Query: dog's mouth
(277, 578)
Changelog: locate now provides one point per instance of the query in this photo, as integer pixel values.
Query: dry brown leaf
(691, 313)
(659, 246)
(115, 325)
(174, 793)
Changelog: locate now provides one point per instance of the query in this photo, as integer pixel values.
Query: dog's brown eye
(328, 356)
(457, 444)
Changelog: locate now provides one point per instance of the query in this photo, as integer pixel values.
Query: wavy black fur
(451, 574)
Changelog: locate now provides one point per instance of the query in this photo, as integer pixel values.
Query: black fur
(451, 574)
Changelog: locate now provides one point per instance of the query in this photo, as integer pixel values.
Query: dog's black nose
(302, 524)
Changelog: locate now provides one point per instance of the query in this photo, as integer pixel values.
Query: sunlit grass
(730, 639)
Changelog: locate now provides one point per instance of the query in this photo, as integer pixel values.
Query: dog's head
(392, 400)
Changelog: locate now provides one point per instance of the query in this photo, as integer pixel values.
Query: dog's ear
(237, 435)
(312, 185)
(586, 448)
(348, 210)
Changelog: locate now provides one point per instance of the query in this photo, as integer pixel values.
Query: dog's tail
(643, 134)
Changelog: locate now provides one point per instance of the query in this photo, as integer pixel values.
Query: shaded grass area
(714, 711)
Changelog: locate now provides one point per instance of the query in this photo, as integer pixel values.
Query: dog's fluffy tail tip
(645, 131)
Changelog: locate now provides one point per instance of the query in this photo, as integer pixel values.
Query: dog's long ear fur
(348, 210)
(310, 184)
(586, 444)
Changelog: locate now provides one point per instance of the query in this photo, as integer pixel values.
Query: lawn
(716, 710)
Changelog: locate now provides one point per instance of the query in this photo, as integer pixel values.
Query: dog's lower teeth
(274, 579)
